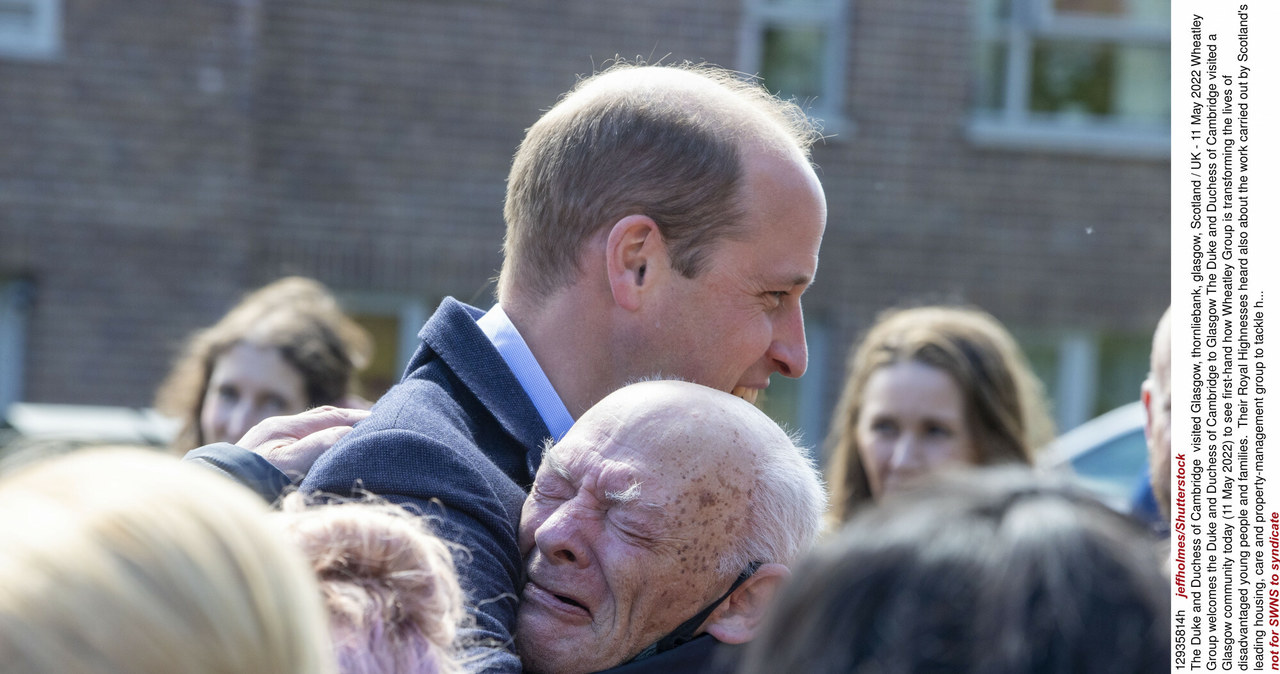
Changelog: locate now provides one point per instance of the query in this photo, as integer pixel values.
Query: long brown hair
(296, 315)
(1004, 405)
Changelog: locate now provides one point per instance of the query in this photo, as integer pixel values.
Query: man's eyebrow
(555, 465)
(624, 497)
(629, 499)
(802, 280)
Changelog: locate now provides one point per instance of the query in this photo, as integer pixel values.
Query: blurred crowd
(577, 478)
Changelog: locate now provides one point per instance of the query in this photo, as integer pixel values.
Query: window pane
(1142, 84)
(383, 370)
(1079, 79)
(998, 10)
(1103, 7)
(992, 67)
(1123, 361)
(792, 63)
(15, 14)
(1072, 78)
(816, 4)
(1144, 11)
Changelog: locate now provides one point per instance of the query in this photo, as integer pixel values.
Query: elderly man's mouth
(555, 602)
(747, 394)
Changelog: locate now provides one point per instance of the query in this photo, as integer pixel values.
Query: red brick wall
(177, 154)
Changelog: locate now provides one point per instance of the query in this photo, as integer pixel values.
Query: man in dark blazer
(660, 220)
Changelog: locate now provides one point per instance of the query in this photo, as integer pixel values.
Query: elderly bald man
(659, 528)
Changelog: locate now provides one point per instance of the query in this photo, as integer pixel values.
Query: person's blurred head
(1158, 404)
(928, 388)
(389, 584)
(127, 561)
(283, 349)
(649, 509)
(992, 570)
(686, 194)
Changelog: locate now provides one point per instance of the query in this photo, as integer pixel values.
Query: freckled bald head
(737, 464)
(686, 420)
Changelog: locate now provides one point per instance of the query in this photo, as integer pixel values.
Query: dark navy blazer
(459, 440)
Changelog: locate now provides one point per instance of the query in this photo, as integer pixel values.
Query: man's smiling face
(623, 533)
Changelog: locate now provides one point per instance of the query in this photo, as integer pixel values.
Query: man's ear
(1146, 408)
(738, 618)
(634, 253)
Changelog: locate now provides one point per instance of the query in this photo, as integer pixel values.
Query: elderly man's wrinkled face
(622, 537)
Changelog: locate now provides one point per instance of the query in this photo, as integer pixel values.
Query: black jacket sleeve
(243, 466)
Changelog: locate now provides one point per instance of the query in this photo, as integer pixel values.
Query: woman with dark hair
(927, 388)
(283, 349)
(994, 571)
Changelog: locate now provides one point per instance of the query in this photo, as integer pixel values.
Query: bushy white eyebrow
(629, 495)
(555, 465)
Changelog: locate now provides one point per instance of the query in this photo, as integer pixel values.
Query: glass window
(1086, 373)
(1083, 75)
(15, 304)
(797, 49)
(393, 321)
(30, 28)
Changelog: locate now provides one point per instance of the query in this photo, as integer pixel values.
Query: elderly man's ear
(738, 618)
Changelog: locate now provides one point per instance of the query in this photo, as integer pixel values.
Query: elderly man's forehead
(648, 454)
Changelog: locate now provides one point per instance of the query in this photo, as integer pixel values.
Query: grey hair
(785, 507)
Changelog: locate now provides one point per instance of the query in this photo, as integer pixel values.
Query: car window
(1119, 460)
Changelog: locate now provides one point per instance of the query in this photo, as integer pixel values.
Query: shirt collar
(516, 354)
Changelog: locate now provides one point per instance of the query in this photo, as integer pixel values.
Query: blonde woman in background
(120, 561)
(283, 349)
(929, 388)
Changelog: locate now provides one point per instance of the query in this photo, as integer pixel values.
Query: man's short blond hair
(667, 142)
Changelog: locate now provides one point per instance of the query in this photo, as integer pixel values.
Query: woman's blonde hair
(126, 561)
(296, 315)
(389, 584)
(1004, 404)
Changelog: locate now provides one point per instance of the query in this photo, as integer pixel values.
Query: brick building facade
(161, 158)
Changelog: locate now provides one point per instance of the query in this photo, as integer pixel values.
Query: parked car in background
(1107, 454)
(31, 431)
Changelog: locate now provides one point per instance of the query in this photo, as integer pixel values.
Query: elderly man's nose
(559, 538)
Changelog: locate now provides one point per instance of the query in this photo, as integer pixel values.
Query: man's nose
(560, 537)
(788, 350)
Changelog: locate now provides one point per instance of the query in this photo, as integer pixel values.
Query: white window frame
(830, 16)
(1016, 127)
(41, 39)
(15, 305)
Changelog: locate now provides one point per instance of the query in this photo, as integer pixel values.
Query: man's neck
(565, 337)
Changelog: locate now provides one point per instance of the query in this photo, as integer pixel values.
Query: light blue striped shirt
(515, 352)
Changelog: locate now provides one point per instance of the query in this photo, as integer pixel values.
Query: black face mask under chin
(685, 632)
